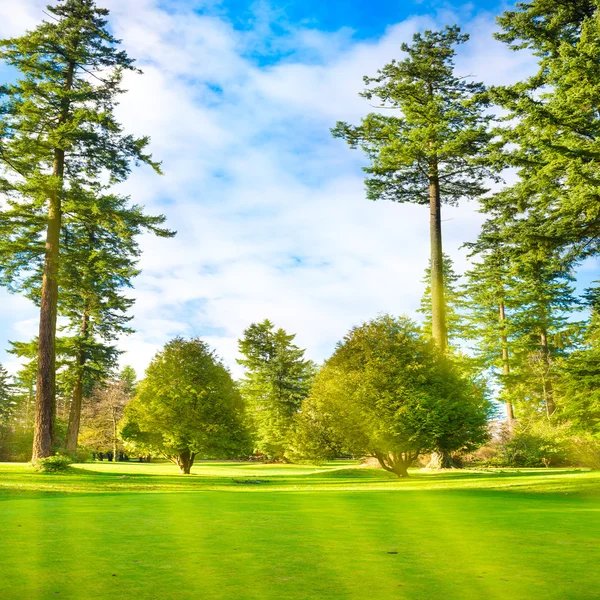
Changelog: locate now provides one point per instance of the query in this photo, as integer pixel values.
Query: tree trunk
(115, 434)
(185, 460)
(45, 397)
(75, 413)
(510, 415)
(438, 306)
(396, 463)
(441, 460)
(546, 383)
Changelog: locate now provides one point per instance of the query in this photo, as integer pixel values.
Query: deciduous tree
(187, 406)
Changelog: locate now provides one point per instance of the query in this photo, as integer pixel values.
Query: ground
(244, 531)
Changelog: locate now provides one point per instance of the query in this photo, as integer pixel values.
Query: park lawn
(242, 531)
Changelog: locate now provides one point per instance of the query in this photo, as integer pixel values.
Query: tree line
(511, 327)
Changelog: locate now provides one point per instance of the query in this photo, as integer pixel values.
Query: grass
(239, 531)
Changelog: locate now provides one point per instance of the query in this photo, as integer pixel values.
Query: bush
(53, 464)
(81, 455)
(584, 452)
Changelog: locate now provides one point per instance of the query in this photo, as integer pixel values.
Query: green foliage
(59, 463)
(535, 444)
(186, 406)
(388, 393)
(453, 298)
(277, 379)
(552, 131)
(578, 380)
(439, 127)
(63, 237)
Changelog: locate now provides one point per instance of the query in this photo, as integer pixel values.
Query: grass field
(267, 532)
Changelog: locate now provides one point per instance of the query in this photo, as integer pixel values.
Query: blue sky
(270, 210)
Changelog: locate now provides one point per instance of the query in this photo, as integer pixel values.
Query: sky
(272, 221)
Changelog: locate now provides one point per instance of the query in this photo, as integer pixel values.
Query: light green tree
(389, 393)
(187, 406)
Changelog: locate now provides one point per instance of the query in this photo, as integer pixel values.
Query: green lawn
(143, 532)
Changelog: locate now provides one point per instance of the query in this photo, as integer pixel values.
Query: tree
(187, 406)
(430, 151)
(100, 253)
(488, 300)
(553, 129)
(389, 393)
(129, 378)
(102, 415)
(578, 382)
(452, 302)
(58, 136)
(277, 379)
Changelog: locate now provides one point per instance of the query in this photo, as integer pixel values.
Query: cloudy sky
(238, 98)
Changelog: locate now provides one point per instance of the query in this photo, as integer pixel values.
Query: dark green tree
(429, 149)
(553, 123)
(58, 137)
(488, 301)
(277, 379)
(100, 253)
(578, 384)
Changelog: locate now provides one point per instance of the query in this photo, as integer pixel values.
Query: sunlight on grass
(303, 534)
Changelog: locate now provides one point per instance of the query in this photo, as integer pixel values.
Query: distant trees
(277, 379)
(389, 393)
(102, 414)
(427, 143)
(61, 145)
(187, 406)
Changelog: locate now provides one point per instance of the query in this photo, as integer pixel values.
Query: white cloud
(270, 210)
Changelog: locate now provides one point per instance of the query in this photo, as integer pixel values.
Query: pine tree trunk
(76, 402)
(510, 415)
(45, 401)
(438, 306)
(45, 397)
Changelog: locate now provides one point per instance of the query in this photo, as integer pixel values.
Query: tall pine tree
(58, 134)
(427, 150)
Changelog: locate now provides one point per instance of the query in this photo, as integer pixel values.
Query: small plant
(53, 464)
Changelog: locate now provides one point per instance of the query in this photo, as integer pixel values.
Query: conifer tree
(489, 301)
(58, 136)
(427, 150)
(277, 379)
(553, 130)
(452, 302)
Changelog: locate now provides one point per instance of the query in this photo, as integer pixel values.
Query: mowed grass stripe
(296, 538)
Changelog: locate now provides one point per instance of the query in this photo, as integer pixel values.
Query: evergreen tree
(99, 261)
(579, 376)
(59, 137)
(277, 379)
(7, 405)
(534, 281)
(553, 131)
(452, 300)
(488, 301)
(429, 151)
